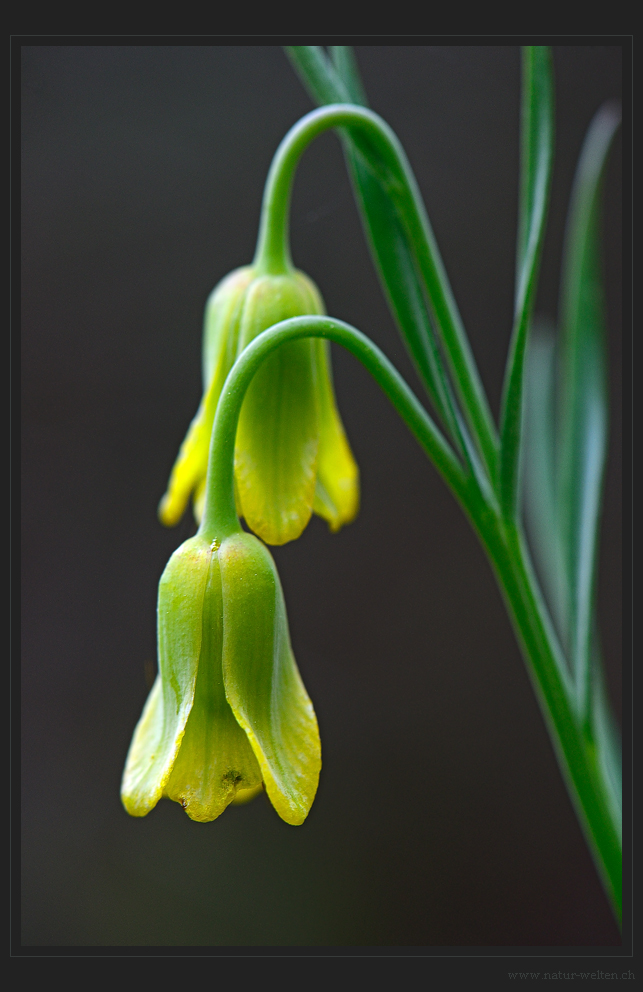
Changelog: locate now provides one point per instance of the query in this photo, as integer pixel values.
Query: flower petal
(262, 682)
(278, 433)
(158, 735)
(215, 761)
(221, 322)
(337, 490)
(220, 341)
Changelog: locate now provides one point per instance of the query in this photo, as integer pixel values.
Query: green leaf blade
(403, 290)
(346, 67)
(537, 138)
(583, 422)
(320, 81)
(539, 472)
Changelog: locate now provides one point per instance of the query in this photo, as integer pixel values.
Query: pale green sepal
(215, 764)
(278, 433)
(262, 682)
(157, 737)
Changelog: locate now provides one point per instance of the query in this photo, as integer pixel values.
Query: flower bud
(292, 456)
(228, 710)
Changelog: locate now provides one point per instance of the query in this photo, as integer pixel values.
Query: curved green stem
(502, 540)
(393, 254)
(384, 157)
(219, 514)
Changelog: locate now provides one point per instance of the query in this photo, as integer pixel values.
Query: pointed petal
(262, 682)
(277, 438)
(189, 468)
(337, 490)
(215, 761)
(157, 737)
(146, 742)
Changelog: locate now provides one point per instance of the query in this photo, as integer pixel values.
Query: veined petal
(139, 785)
(215, 763)
(262, 682)
(158, 735)
(220, 342)
(337, 491)
(278, 433)
(221, 321)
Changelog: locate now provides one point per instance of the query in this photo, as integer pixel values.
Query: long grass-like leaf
(539, 472)
(314, 69)
(346, 68)
(582, 427)
(607, 738)
(537, 132)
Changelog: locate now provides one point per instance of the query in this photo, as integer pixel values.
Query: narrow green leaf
(539, 473)
(582, 427)
(607, 738)
(319, 79)
(537, 136)
(402, 288)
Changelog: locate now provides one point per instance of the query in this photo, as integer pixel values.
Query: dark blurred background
(441, 817)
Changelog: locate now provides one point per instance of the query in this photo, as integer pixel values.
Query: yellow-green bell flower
(228, 710)
(292, 456)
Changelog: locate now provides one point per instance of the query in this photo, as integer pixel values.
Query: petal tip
(168, 512)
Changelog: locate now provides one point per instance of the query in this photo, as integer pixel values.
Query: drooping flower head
(228, 710)
(292, 456)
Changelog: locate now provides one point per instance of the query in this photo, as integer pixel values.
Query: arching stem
(219, 514)
(396, 177)
(501, 539)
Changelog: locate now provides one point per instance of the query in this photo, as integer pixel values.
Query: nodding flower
(228, 712)
(292, 457)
